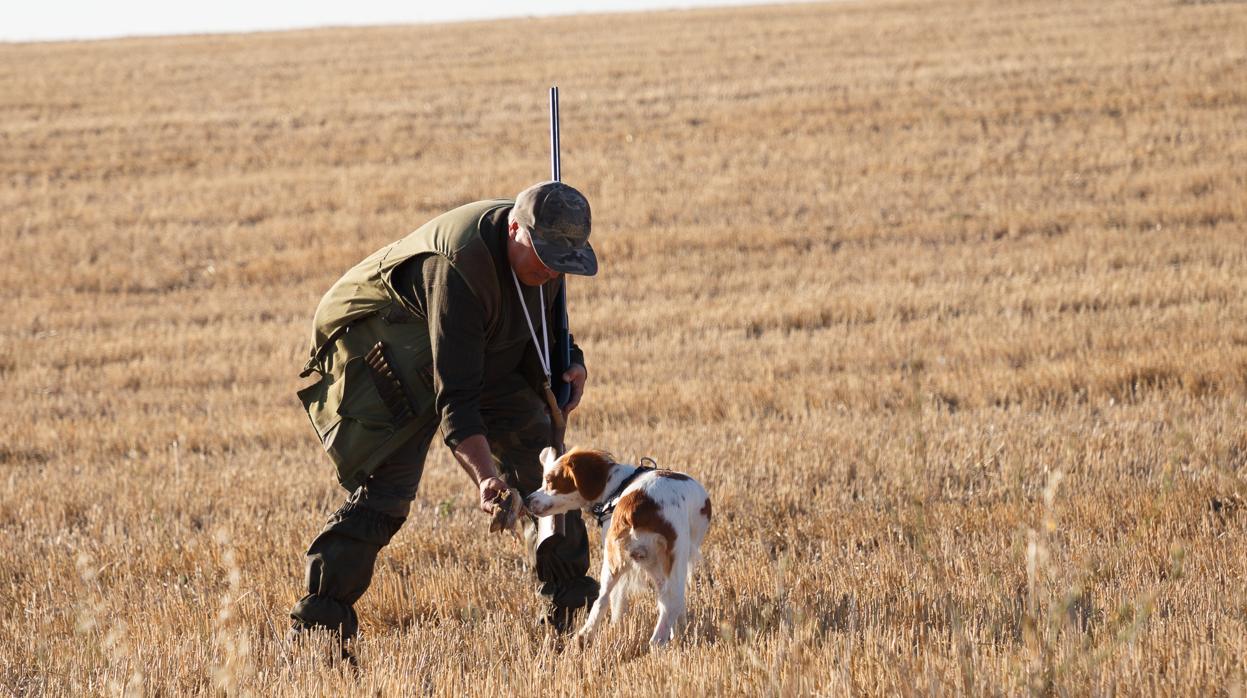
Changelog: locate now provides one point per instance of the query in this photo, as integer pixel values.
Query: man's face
(528, 267)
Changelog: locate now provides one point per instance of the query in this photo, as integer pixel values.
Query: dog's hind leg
(611, 576)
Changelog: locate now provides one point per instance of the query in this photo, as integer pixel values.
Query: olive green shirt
(467, 361)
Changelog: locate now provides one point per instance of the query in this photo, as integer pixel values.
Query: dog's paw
(584, 637)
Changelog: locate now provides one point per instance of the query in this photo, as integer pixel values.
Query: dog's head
(572, 481)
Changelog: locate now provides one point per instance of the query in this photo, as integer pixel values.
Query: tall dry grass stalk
(943, 301)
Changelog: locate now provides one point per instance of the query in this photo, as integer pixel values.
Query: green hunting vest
(352, 406)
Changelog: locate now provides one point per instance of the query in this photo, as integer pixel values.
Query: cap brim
(566, 260)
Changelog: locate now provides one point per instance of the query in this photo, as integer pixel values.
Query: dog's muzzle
(534, 507)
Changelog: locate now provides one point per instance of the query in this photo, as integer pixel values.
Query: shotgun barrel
(555, 174)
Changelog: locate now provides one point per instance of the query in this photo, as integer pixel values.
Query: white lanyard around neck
(542, 347)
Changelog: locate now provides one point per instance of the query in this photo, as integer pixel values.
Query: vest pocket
(365, 404)
(321, 400)
(360, 399)
(366, 432)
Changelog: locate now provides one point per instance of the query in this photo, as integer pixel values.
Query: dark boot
(561, 563)
(301, 633)
(339, 568)
(563, 600)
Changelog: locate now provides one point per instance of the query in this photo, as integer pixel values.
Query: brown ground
(943, 301)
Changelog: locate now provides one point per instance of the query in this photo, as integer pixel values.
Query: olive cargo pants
(340, 560)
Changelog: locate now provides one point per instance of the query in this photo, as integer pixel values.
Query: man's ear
(548, 456)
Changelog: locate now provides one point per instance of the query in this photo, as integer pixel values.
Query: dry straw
(943, 301)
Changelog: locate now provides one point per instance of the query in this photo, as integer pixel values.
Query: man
(445, 328)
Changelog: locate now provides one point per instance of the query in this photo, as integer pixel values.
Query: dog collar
(607, 506)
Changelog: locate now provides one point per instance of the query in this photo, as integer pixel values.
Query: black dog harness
(606, 507)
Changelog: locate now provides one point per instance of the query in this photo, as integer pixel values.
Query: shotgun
(561, 356)
(561, 352)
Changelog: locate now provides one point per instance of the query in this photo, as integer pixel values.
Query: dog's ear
(548, 456)
(590, 471)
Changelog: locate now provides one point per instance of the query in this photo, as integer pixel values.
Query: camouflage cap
(558, 220)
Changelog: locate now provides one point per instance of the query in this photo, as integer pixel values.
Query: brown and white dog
(653, 523)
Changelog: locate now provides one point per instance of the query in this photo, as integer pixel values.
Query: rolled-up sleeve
(457, 336)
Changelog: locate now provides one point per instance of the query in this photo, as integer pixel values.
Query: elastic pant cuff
(323, 612)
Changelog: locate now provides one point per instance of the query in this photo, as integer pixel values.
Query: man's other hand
(575, 376)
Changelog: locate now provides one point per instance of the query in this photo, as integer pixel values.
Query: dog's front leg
(610, 579)
(619, 602)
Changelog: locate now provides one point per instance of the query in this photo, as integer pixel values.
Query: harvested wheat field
(943, 302)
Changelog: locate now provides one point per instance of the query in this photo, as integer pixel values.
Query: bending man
(444, 328)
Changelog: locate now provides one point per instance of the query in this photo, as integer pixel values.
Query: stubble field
(943, 302)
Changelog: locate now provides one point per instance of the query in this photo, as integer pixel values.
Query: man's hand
(492, 489)
(503, 503)
(575, 376)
